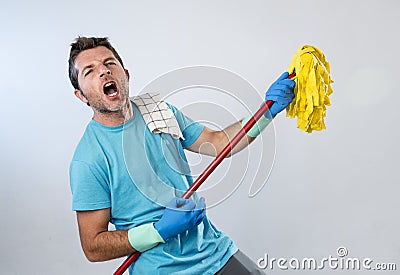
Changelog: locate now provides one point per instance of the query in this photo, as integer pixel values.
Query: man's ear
(127, 74)
(81, 96)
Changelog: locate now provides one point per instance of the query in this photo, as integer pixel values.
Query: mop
(312, 90)
(310, 71)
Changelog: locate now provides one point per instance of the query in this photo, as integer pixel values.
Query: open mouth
(110, 89)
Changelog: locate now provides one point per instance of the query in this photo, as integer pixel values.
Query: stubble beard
(108, 110)
(101, 107)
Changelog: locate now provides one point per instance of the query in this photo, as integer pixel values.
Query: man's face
(102, 80)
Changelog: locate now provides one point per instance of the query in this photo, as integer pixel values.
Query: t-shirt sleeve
(89, 189)
(191, 130)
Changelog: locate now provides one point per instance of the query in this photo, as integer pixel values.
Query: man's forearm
(108, 245)
(212, 142)
(231, 131)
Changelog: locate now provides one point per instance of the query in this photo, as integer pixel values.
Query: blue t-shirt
(135, 173)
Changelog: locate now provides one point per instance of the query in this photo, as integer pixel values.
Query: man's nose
(103, 70)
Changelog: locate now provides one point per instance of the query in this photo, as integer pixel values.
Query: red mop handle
(210, 168)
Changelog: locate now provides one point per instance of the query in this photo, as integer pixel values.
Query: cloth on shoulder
(157, 115)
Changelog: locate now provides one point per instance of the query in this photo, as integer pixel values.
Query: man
(174, 237)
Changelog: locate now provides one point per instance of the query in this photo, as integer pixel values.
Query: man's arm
(97, 242)
(212, 142)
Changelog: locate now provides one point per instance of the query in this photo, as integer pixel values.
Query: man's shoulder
(87, 149)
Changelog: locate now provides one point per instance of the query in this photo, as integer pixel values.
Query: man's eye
(88, 72)
(110, 63)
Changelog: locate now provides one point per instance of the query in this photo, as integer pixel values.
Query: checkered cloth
(157, 115)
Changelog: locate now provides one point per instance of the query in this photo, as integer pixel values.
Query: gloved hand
(281, 92)
(179, 216)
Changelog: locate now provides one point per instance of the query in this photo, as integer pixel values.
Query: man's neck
(115, 118)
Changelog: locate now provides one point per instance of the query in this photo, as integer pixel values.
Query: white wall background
(334, 188)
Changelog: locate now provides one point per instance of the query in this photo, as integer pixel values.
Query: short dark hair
(86, 43)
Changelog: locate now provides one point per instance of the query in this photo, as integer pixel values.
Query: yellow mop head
(312, 90)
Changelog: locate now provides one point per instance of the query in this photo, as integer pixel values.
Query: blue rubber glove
(281, 92)
(179, 216)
